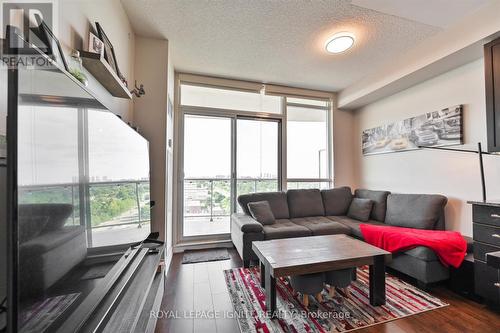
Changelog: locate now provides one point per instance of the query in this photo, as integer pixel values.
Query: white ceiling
(282, 42)
(438, 13)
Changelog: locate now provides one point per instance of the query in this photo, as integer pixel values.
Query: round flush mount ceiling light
(340, 42)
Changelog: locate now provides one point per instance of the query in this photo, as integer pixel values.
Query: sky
(207, 149)
(48, 147)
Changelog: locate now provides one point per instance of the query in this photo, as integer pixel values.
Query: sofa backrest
(420, 211)
(337, 200)
(56, 214)
(277, 201)
(379, 199)
(304, 203)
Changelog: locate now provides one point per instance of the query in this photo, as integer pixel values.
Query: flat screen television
(78, 194)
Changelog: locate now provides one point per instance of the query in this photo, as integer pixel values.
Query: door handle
(495, 235)
(497, 284)
(495, 216)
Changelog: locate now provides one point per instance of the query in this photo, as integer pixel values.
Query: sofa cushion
(304, 203)
(422, 253)
(285, 229)
(379, 199)
(360, 209)
(320, 225)
(337, 200)
(261, 211)
(277, 201)
(353, 224)
(420, 211)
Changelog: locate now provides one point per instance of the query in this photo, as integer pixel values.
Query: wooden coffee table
(306, 255)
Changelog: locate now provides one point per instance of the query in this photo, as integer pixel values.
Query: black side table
(486, 230)
(462, 278)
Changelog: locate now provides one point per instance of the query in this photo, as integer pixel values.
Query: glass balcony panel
(207, 207)
(120, 212)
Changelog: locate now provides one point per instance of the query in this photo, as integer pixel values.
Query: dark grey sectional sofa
(303, 213)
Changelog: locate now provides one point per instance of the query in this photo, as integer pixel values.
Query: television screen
(82, 188)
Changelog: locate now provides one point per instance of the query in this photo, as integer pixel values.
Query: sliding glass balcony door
(225, 156)
(257, 162)
(237, 137)
(207, 175)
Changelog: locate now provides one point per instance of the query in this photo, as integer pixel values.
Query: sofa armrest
(246, 223)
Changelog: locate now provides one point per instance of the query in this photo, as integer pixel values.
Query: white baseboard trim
(179, 248)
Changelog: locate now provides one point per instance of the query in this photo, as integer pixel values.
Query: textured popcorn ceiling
(276, 41)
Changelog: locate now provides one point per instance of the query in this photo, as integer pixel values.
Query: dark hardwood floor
(201, 287)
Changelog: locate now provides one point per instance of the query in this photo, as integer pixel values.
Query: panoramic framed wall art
(432, 129)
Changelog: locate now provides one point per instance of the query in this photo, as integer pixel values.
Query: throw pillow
(261, 211)
(360, 209)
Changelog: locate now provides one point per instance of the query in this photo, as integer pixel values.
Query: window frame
(180, 241)
(330, 176)
(234, 115)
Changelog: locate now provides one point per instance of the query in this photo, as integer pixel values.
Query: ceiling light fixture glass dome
(340, 42)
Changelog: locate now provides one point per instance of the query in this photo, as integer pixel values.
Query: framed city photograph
(109, 51)
(432, 129)
(95, 44)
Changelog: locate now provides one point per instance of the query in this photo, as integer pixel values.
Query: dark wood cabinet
(486, 229)
(492, 71)
(486, 279)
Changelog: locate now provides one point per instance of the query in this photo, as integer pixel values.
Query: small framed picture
(109, 51)
(95, 44)
(53, 47)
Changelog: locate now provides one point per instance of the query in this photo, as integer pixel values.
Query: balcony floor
(199, 226)
(121, 234)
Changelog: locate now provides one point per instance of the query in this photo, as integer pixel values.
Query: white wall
(344, 154)
(76, 17)
(455, 175)
(150, 115)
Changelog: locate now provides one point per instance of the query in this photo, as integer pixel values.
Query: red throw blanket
(449, 246)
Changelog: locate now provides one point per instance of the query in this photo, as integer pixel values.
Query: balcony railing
(131, 203)
(211, 197)
(111, 205)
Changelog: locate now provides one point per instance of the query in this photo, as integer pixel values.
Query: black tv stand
(124, 299)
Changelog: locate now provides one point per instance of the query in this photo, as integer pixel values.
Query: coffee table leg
(262, 275)
(377, 281)
(270, 293)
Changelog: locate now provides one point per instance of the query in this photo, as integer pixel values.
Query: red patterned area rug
(342, 313)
